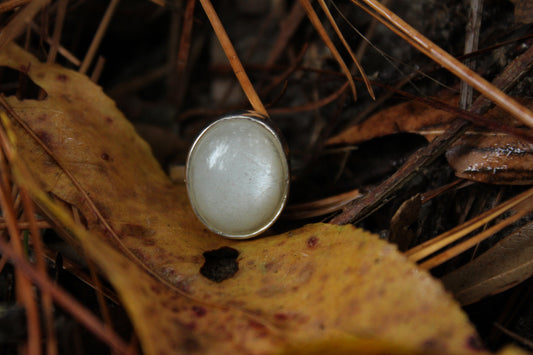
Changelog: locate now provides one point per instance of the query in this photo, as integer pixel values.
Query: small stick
(471, 45)
(233, 59)
(98, 36)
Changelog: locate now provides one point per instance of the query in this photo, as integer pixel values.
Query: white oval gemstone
(237, 176)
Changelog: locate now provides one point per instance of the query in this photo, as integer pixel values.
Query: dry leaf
(483, 156)
(316, 283)
(503, 266)
(411, 116)
(405, 216)
(165, 321)
(492, 158)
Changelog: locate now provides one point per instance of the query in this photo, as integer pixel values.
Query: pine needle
(233, 59)
(313, 17)
(348, 48)
(442, 241)
(430, 49)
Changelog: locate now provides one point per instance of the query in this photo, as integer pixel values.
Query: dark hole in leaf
(18, 83)
(220, 264)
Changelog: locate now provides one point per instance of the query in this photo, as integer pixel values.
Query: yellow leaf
(312, 287)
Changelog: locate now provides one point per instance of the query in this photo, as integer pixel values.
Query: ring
(237, 175)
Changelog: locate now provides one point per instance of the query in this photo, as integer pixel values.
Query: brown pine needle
(309, 106)
(434, 52)
(25, 293)
(478, 238)
(320, 207)
(99, 35)
(514, 336)
(58, 29)
(79, 272)
(313, 17)
(20, 21)
(98, 68)
(431, 246)
(26, 225)
(182, 57)
(233, 59)
(48, 308)
(348, 48)
(95, 281)
(61, 50)
(68, 303)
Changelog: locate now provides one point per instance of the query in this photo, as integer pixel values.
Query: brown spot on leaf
(474, 343)
(108, 119)
(281, 316)
(261, 329)
(272, 266)
(149, 242)
(62, 78)
(105, 156)
(220, 264)
(45, 138)
(199, 311)
(312, 242)
(136, 231)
